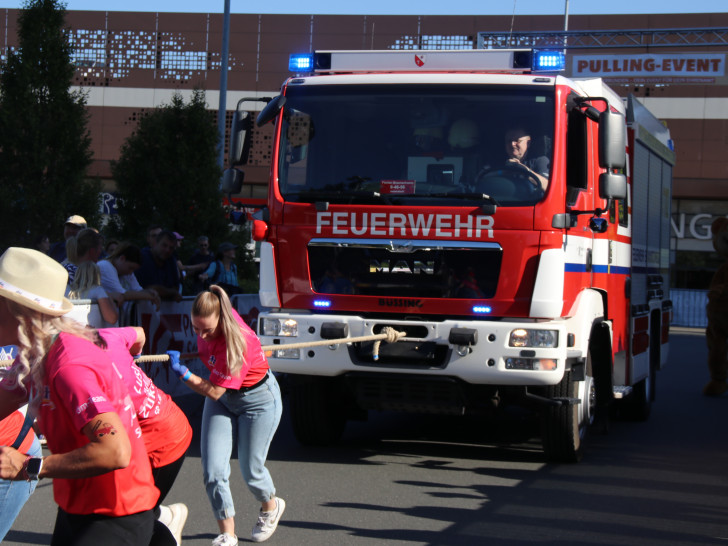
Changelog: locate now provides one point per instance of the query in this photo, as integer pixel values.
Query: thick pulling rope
(389, 334)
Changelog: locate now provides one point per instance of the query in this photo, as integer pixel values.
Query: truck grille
(405, 268)
(442, 396)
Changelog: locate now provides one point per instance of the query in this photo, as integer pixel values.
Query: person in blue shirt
(223, 271)
(158, 270)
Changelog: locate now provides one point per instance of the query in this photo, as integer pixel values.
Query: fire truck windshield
(416, 145)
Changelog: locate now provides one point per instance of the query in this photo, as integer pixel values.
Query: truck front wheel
(564, 427)
(318, 410)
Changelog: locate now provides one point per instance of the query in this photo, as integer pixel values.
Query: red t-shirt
(82, 382)
(213, 354)
(166, 431)
(10, 428)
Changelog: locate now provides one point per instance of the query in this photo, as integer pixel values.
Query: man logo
(401, 266)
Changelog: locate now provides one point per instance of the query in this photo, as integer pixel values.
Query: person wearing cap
(223, 271)
(158, 270)
(73, 225)
(102, 479)
(518, 142)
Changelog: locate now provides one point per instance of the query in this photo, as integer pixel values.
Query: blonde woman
(244, 402)
(102, 480)
(87, 286)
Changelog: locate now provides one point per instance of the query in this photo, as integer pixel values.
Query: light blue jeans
(250, 419)
(14, 494)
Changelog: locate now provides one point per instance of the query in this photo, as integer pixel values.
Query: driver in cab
(518, 141)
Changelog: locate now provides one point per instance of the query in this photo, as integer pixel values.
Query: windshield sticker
(397, 186)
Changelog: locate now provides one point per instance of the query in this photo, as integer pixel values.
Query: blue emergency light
(300, 62)
(548, 61)
(322, 303)
(482, 309)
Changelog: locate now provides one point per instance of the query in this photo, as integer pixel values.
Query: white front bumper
(484, 363)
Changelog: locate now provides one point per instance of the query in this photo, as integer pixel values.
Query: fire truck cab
(513, 223)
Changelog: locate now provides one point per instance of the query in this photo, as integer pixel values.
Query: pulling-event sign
(669, 68)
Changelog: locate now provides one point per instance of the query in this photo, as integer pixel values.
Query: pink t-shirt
(82, 382)
(167, 432)
(213, 354)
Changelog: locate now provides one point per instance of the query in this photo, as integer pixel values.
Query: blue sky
(403, 7)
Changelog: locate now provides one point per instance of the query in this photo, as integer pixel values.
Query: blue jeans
(13, 495)
(250, 419)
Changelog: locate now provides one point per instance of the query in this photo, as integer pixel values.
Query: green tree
(44, 140)
(167, 173)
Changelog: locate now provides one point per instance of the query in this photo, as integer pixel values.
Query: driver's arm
(542, 180)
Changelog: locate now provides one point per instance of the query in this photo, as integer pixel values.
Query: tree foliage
(44, 140)
(167, 173)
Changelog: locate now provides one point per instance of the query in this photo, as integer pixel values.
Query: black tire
(638, 405)
(564, 428)
(317, 414)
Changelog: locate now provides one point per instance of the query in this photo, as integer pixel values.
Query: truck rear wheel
(564, 427)
(318, 413)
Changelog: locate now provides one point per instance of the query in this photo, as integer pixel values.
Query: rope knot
(392, 334)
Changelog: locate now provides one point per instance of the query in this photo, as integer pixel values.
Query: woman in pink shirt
(243, 400)
(102, 479)
(166, 431)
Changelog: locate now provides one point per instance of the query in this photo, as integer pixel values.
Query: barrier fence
(688, 307)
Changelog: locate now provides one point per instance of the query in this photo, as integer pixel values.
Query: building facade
(675, 64)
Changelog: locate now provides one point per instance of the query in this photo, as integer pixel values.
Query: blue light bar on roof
(300, 62)
(548, 61)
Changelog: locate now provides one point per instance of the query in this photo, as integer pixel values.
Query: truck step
(622, 391)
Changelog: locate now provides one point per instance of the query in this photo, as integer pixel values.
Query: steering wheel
(527, 181)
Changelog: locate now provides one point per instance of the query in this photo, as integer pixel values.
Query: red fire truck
(513, 223)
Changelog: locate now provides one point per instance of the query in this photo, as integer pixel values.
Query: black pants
(164, 477)
(93, 529)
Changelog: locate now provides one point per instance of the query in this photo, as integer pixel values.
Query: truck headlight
(522, 337)
(279, 327)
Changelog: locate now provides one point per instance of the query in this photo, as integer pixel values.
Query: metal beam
(595, 39)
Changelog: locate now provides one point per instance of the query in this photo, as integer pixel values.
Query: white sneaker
(268, 521)
(225, 539)
(177, 523)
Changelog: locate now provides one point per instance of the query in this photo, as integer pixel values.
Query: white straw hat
(34, 280)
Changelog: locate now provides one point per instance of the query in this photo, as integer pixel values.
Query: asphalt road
(400, 479)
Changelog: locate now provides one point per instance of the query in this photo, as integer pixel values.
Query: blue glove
(182, 370)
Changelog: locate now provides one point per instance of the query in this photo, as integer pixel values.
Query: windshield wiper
(478, 196)
(488, 207)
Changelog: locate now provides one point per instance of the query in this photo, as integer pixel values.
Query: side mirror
(232, 181)
(240, 137)
(612, 142)
(598, 225)
(271, 110)
(612, 186)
